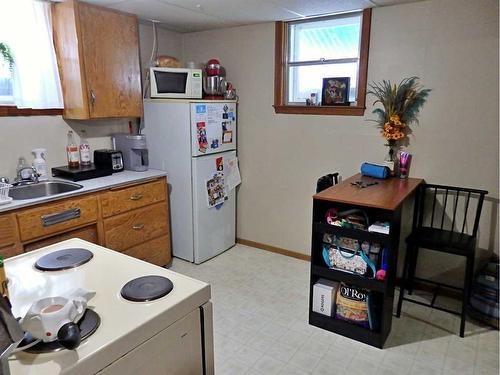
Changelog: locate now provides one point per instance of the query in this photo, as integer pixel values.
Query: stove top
(88, 324)
(124, 324)
(63, 259)
(146, 288)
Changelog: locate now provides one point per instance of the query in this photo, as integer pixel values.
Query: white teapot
(55, 318)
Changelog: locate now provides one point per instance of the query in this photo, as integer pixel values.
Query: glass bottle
(84, 150)
(389, 160)
(72, 152)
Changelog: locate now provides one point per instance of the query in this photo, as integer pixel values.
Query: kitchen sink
(42, 189)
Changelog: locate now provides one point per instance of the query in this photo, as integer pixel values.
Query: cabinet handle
(137, 226)
(135, 197)
(92, 97)
(60, 217)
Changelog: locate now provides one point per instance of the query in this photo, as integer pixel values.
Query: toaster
(109, 159)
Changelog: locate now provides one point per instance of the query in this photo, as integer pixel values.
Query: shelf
(346, 329)
(383, 239)
(359, 281)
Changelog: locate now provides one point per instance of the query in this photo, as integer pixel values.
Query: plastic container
(72, 152)
(84, 150)
(4, 193)
(40, 164)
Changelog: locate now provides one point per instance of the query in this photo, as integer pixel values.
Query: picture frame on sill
(335, 91)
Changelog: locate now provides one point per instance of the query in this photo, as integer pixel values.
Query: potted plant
(401, 105)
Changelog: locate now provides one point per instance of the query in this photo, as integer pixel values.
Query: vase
(390, 159)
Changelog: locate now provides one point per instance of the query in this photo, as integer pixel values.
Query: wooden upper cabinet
(98, 56)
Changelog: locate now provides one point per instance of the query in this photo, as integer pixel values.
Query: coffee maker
(134, 150)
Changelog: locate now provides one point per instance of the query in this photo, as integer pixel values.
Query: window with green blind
(307, 51)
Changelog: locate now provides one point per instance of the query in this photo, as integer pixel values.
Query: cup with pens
(404, 164)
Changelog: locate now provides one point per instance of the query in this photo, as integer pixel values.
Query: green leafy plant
(401, 106)
(6, 53)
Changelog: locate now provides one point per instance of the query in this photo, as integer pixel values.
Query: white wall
(169, 43)
(19, 135)
(451, 45)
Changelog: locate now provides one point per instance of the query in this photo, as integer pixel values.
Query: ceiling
(199, 15)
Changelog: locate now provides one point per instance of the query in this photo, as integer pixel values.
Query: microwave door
(171, 82)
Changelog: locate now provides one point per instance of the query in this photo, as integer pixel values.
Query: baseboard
(274, 249)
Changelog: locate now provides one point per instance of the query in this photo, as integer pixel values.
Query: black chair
(326, 181)
(445, 223)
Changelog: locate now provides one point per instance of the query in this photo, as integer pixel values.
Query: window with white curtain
(28, 68)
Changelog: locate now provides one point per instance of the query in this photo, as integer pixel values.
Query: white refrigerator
(195, 143)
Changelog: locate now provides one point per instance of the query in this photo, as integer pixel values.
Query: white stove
(172, 334)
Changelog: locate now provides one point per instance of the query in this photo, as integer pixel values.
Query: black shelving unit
(335, 197)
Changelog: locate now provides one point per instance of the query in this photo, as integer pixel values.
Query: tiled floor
(260, 319)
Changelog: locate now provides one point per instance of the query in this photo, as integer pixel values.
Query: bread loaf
(167, 62)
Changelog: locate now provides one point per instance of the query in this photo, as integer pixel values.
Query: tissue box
(324, 293)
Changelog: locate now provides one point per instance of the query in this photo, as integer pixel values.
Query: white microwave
(176, 83)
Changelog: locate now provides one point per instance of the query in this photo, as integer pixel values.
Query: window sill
(320, 110)
(8, 110)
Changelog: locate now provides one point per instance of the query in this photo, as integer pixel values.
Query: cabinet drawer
(137, 226)
(7, 230)
(118, 201)
(57, 217)
(155, 251)
(10, 251)
(88, 234)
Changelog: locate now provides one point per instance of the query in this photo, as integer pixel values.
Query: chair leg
(403, 280)
(412, 269)
(469, 271)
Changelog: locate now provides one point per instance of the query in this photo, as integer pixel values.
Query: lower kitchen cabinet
(152, 251)
(87, 233)
(10, 251)
(133, 219)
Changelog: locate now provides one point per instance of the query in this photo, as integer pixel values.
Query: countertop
(95, 184)
(387, 194)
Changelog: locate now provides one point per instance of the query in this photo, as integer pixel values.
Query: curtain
(25, 25)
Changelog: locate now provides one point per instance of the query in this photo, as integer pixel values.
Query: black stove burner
(88, 324)
(63, 259)
(146, 288)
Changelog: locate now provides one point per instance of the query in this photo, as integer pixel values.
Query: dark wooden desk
(382, 202)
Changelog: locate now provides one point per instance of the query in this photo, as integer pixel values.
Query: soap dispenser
(40, 164)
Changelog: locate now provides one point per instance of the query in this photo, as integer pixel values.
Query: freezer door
(214, 227)
(213, 128)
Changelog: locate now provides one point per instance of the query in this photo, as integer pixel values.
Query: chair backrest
(451, 208)
(326, 181)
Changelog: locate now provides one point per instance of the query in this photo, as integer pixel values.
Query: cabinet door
(111, 58)
(88, 234)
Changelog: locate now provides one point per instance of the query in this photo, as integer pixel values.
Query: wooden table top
(387, 194)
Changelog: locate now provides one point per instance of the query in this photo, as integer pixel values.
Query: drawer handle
(135, 197)
(137, 226)
(48, 220)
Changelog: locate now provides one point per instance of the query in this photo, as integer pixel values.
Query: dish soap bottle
(72, 152)
(40, 164)
(84, 150)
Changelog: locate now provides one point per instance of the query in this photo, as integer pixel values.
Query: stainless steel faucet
(23, 178)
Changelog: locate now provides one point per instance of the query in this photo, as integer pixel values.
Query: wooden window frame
(11, 110)
(281, 52)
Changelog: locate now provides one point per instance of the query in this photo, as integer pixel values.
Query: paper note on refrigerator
(233, 177)
(216, 191)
